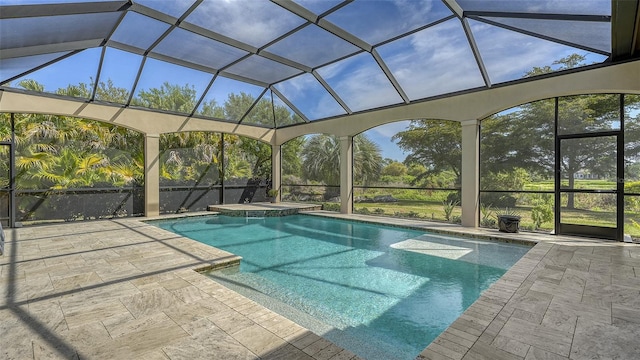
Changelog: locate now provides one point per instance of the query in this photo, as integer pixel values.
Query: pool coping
(427, 227)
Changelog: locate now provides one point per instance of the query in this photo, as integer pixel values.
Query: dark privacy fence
(106, 203)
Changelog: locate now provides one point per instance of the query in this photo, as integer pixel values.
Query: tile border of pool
(425, 228)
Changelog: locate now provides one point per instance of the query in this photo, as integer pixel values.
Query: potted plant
(273, 194)
(509, 221)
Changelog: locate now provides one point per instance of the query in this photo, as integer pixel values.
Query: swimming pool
(381, 292)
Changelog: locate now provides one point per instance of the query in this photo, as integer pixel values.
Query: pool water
(380, 292)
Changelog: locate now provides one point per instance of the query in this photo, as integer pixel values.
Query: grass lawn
(435, 211)
(596, 209)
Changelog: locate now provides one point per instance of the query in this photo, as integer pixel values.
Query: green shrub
(632, 203)
(454, 197)
(541, 214)
(487, 219)
(331, 207)
(448, 207)
(542, 210)
(498, 199)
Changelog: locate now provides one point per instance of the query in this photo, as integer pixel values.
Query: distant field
(579, 184)
(592, 209)
(435, 211)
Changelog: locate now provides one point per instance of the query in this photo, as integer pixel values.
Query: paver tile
(482, 351)
(595, 340)
(93, 312)
(287, 351)
(546, 338)
(258, 339)
(539, 354)
(208, 343)
(150, 301)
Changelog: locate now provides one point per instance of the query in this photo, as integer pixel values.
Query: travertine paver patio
(123, 289)
(127, 290)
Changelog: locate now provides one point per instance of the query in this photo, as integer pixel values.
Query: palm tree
(190, 157)
(367, 161)
(321, 160)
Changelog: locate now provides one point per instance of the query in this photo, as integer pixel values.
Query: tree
(109, 92)
(168, 97)
(257, 155)
(190, 157)
(291, 159)
(434, 144)
(237, 105)
(395, 168)
(367, 161)
(321, 160)
(64, 152)
(524, 136)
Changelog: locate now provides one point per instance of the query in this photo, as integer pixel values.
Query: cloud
(253, 22)
(582, 7)
(388, 130)
(508, 55)
(435, 61)
(360, 82)
(306, 93)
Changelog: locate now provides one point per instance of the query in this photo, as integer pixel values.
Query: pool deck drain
(126, 289)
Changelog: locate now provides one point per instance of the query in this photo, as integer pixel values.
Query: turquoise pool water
(381, 292)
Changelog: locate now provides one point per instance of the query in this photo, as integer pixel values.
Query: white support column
(470, 173)
(276, 170)
(152, 175)
(346, 174)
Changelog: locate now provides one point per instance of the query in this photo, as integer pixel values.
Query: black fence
(46, 205)
(175, 199)
(78, 204)
(4, 207)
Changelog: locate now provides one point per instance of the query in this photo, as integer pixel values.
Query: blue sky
(382, 134)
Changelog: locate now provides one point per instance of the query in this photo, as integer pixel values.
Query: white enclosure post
(346, 174)
(276, 169)
(151, 175)
(470, 173)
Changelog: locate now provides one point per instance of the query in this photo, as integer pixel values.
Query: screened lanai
(276, 71)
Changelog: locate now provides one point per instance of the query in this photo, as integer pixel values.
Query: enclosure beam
(276, 170)
(470, 173)
(346, 174)
(151, 175)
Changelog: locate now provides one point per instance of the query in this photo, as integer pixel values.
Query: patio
(126, 289)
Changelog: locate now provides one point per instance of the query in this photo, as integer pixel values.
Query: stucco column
(276, 169)
(346, 174)
(470, 173)
(152, 175)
